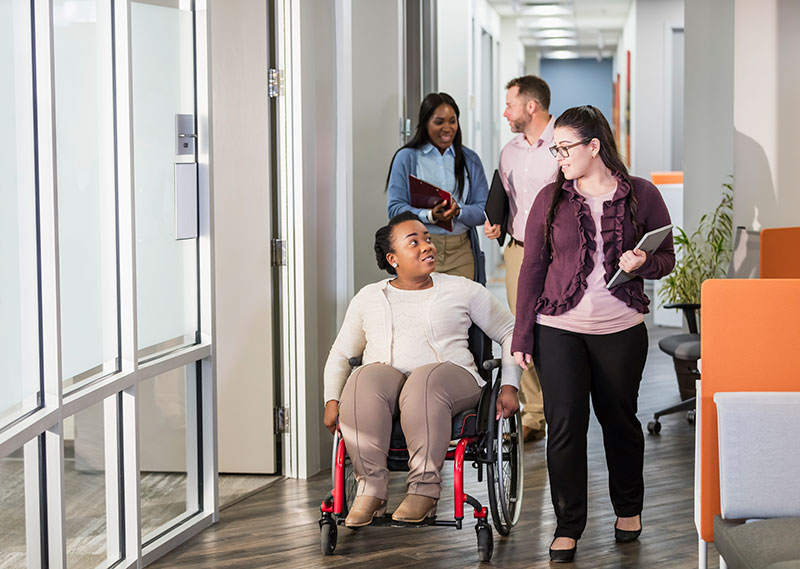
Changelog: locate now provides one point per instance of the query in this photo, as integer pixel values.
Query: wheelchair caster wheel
(690, 416)
(485, 542)
(327, 536)
(654, 427)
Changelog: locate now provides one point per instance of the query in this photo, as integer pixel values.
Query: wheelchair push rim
(505, 470)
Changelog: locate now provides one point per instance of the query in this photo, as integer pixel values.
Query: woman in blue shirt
(435, 154)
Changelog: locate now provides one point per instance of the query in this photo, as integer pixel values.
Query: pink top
(598, 312)
(525, 169)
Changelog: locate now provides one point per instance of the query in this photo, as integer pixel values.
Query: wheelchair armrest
(689, 311)
(489, 365)
(355, 361)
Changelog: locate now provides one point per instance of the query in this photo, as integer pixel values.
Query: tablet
(649, 242)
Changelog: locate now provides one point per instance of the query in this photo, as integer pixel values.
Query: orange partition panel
(666, 177)
(780, 253)
(751, 342)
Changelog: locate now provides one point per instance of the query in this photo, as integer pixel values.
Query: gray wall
(376, 125)
(242, 289)
(318, 60)
(708, 105)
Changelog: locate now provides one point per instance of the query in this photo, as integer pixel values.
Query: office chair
(685, 351)
(685, 348)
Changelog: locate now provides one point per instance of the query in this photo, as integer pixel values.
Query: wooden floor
(278, 526)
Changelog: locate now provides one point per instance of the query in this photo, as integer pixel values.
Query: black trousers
(608, 369)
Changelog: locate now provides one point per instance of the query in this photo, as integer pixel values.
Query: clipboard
(497, 207)
(425, 196)
(649, 242)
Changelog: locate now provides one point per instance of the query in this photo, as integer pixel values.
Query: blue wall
(575, 82)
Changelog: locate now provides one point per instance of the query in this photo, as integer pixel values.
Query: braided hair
(588, 122)
(383, 240)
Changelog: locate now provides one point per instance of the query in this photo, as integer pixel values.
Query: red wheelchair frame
(493, 444)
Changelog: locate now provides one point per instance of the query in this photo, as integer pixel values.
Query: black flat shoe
(563, 555)
(627, 536)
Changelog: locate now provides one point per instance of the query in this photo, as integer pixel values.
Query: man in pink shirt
(526, 166)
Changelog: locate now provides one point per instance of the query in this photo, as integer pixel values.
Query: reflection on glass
(86, 189)
(168, 441)
(12, 511)
(85, 490)
(19, 348)
(162, 40)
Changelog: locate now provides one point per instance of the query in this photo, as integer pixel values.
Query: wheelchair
(477, 439)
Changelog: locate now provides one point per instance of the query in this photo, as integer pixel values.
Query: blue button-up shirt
(439, 169)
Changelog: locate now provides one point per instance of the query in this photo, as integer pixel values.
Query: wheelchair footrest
(387, 521)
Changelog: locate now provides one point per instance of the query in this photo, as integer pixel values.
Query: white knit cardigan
(457, 303)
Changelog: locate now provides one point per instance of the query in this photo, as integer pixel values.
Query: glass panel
(85, 461)
(168, 436)
(86, 189)
(13, 544)
(19, 320)
(162, 41)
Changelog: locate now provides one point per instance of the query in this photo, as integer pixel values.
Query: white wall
(627, 42)
(765, 113)
(708, 106)
(650, 88)
(455, 51)
(512, 64)
(741, 113)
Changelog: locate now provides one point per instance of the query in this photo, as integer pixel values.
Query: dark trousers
(608, 369)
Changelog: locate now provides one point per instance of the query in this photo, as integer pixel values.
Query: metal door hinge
(278, 252)
(274, 83)
(281, 420)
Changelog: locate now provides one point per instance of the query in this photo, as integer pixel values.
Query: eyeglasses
(564, 150)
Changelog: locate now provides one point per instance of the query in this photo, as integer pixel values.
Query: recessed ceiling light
(554, 33)
(557, 42)
(546, 10)
(549, 23)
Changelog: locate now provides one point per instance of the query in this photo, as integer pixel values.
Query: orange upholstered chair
(751, 340)
(780, 253)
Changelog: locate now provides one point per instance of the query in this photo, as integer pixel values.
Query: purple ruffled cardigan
(552, 282)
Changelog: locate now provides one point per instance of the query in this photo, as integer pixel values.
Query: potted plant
(705, 254)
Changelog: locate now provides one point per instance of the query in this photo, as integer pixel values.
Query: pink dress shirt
(525, 169)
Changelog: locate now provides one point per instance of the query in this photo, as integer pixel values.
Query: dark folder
(425, 196)
(496, 208)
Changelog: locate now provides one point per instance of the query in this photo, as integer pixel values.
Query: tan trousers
(427, 400)
(454, 255)
(530, 392)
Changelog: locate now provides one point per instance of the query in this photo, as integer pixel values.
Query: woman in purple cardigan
(585, 340)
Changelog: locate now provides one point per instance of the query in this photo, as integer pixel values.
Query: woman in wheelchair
(412, 331)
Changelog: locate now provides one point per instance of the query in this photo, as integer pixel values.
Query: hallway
(278, 526)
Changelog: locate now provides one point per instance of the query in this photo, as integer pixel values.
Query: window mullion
(51, 461)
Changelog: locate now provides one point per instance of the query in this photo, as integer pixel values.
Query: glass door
(165, 175)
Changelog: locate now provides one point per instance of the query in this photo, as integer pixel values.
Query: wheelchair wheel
(327, 536)
(350, 484)
(485, 542)
(506, 472)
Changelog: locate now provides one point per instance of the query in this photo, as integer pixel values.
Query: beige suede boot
(415, 508)
(364, 509)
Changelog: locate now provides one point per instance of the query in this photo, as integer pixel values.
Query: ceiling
(568, 28)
